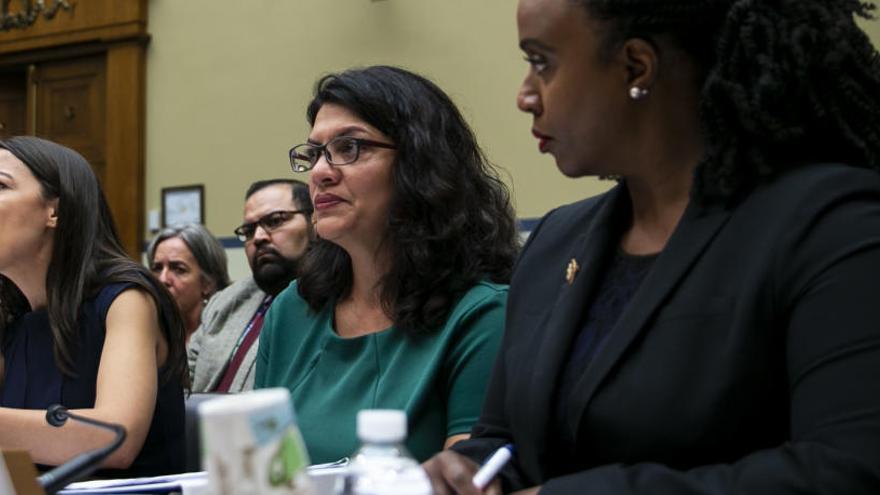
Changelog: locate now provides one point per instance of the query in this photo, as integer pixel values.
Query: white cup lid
(381, 425)
(246, 402)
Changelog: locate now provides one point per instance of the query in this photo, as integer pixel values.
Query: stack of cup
(252, 446)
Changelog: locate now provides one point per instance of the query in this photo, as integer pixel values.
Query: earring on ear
(637, 93)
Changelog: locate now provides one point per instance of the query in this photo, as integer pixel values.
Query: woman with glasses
(81, 324)
(710, 325)
(191, 263)
(400, 303)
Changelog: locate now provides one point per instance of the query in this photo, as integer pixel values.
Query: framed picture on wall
(183, 204)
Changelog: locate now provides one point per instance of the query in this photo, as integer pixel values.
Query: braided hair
(782, 82)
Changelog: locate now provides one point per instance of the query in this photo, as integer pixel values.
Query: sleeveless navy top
(33, 381)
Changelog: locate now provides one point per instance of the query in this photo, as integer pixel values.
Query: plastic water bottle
(382, 465)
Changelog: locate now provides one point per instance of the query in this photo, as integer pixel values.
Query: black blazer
(748, 361)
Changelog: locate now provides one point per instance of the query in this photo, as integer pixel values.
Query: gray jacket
(210, 347)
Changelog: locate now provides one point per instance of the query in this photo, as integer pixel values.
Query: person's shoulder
(108, 292)
(243, 288)
(246, 284)
(562, 220)
(487, 288)
(565, 225)
(290, 304)
(811, 191)
(819, 180)
(96, 309)
(117, 278)
(484, 296)
(290, 322)
(290, 294)
(483, 292)
(576, 212)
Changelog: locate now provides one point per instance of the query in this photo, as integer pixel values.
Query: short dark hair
(299, 189)
(781, 82)
(86, 254)
(205, 248)
(450, 223)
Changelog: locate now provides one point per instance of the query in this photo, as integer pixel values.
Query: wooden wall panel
(124, 175)
(90, 20)
(86, 90)
(70, 105)
(13, 104)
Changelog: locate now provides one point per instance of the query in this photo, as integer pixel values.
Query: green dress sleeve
(479, 321)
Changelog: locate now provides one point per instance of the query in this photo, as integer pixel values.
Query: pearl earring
(637, 93)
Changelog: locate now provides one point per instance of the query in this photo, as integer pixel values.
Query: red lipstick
(326, 200)
(543, 140)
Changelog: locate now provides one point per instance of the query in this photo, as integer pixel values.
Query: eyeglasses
(270, 222)
(340, 150)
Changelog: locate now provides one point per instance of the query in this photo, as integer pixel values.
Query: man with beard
(276, 232)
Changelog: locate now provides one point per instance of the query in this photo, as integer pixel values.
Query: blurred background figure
(191, 263)
(276, 232)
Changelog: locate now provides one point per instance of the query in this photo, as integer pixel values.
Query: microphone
(84, 464)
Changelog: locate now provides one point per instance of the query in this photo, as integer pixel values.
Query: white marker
(490, 468)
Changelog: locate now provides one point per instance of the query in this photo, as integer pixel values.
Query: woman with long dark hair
(81, 324)
(400, 302)
(710, 324)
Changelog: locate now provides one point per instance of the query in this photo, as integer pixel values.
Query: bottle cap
(381, 425)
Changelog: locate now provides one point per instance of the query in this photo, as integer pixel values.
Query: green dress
(439, 379)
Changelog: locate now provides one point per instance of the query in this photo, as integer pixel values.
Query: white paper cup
(251, 445)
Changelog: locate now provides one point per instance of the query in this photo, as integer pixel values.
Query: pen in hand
(492, 466)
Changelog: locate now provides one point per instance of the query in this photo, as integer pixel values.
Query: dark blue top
(33, 381)
(622, 279)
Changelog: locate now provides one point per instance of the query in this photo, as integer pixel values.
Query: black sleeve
(828, 281)
(492, 431)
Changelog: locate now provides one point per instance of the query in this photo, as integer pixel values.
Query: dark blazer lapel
(692, 235)
(589, 250)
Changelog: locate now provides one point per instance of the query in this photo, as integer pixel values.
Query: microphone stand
(84, 464)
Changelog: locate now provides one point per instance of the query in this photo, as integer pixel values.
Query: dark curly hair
(450, 223)
(782, 82)
(86, 256)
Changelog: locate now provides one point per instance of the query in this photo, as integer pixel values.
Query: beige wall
(227, 85)
(228, 81)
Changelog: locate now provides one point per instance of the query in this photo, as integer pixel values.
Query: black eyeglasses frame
(322, 150)
(246, 231)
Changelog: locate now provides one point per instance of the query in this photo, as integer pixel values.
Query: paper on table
(328, 465)
(162, 484)
(155, 484)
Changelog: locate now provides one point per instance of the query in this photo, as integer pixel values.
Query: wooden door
(83, 71)
(69, 108)
(13, 103)
(94, 105)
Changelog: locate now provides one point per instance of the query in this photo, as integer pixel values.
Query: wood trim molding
(102, 34)
(89, 21)
(125, 109)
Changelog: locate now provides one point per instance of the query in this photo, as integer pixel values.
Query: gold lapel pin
(571, 271)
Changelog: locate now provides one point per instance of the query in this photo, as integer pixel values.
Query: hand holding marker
(492, 466)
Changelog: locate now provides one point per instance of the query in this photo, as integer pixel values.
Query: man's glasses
(340, 150)
(270, 222)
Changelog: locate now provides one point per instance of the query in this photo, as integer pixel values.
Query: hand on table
(452, 473)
